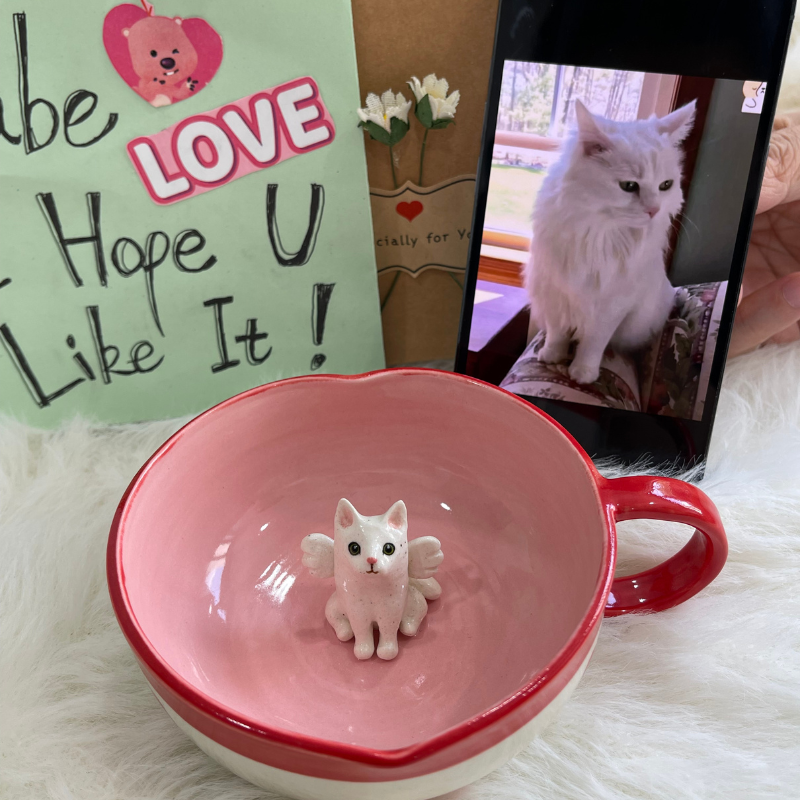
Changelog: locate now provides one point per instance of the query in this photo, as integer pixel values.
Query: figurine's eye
(629, 186)
(665, 185)
(153, 53)
(388, 549)
(354, 548)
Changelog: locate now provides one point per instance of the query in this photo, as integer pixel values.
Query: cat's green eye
(388, 549)
(629, 186)
(354, 548)
(665, 185)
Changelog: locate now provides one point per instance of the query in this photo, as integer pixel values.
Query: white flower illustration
(381, 110)
(442, 106)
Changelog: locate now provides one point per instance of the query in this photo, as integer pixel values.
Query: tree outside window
(540, 99)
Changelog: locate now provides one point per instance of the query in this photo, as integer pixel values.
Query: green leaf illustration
(424, 113)
(380, 134)
(399, 130)
(376, 132)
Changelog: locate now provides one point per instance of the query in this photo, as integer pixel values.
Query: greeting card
(184, 208)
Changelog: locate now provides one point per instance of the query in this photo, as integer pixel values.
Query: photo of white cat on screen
(612, 211)
(601, 222)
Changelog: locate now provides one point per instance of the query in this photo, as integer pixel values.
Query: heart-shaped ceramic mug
(206, 578)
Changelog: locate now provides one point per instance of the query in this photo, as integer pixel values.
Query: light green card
(210, 221)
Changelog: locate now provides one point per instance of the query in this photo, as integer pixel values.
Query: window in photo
(612, 212)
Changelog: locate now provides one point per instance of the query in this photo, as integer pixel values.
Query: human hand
(769, 304)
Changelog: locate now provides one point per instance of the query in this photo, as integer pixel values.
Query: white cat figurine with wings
(383, 581)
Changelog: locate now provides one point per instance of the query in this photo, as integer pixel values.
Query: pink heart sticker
(163, 59)
(409, 210)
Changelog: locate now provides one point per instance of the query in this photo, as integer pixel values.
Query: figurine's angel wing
(424, 556)
(318, 554)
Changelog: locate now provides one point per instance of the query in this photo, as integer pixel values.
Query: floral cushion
(669, 377)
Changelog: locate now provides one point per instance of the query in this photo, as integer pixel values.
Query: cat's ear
(345, 514)
(397, 516)
(679, 123)
(591, 137)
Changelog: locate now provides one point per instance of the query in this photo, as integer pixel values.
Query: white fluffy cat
(601, 223)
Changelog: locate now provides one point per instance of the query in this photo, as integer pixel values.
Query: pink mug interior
(210, 551)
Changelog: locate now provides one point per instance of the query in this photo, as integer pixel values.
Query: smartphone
(623, 149)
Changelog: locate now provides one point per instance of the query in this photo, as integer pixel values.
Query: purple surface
(491, 316)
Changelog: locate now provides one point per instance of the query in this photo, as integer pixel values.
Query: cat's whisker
(679, 223)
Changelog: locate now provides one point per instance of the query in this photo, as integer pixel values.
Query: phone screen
(622, 157)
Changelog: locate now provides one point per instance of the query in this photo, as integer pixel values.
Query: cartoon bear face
(160, 51)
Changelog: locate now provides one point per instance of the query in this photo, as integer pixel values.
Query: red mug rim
(150, 658)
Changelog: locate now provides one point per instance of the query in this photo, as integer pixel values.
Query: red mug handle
(690, 569)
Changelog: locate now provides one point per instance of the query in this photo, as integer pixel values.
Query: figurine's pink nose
(372, 560)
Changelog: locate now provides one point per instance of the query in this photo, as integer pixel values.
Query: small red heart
(410, 210)
(136, 39)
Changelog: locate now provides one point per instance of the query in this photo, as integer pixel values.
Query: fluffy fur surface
(702, 701)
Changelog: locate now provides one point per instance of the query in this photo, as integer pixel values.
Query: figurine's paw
(387, 650)
(364, 649)
(415, 610)
(409, 626)
(584, 373)
(344, 633)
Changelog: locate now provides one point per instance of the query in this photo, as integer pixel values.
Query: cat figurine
(601, 223)
(383, 581)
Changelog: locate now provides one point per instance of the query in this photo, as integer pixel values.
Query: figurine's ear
(345, 514)
(397, 516)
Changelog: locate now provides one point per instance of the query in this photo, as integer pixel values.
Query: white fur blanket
(702, 701)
